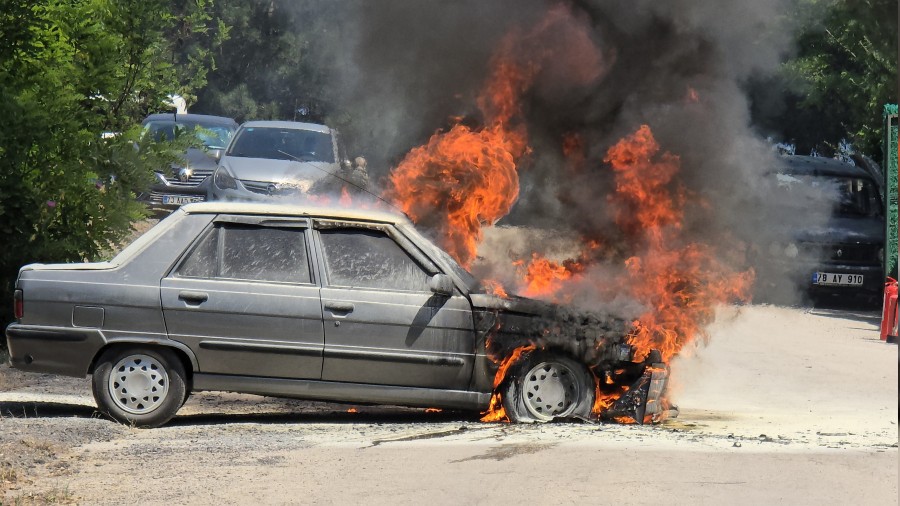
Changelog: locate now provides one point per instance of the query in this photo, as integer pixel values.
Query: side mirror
(441, 284)
(216, 154)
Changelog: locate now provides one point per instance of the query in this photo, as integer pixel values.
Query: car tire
(138, 385)
(542, 387)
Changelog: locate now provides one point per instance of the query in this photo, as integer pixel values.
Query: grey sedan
(312, 303)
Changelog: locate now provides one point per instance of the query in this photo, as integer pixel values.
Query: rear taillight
(18, 304)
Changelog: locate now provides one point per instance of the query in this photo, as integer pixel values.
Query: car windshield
(283, 144)
(212, 135)
(850, 196)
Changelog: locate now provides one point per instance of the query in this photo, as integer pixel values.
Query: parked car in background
(187, 181)
(838, 254)
(312, 303)
(280, 158)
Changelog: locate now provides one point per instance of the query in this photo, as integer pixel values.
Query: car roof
(295, 125)
(190, 117)
(820, 166)
(304, 210)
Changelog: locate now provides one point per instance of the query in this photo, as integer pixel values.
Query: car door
(245, 301)
(383, 324)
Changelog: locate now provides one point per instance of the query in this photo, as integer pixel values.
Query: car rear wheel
(545, 386)
(140, 386)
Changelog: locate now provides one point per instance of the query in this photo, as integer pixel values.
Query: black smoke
(404, 69)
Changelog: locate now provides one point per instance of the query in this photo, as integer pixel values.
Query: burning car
(187, 181)
(317, 303)
(843, 252)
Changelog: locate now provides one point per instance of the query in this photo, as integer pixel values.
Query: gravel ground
(783, 406)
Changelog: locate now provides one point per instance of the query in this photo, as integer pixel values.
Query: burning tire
(138, 385)
(545, 386)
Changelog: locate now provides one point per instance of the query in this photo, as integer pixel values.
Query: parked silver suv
(312, 303)
(279, 158)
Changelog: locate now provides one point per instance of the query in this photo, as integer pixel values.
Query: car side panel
(245, 328)
(105, 304)
(393, 338)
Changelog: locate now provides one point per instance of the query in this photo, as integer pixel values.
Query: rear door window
(252, 253)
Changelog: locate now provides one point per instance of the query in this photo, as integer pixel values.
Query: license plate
(181, 199)
(832, 279)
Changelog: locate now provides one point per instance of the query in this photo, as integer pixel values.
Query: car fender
(154, 341)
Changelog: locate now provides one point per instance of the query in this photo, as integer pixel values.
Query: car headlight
(223, 179)
(791, 251)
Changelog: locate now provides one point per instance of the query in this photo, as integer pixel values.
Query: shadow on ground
(362, 415)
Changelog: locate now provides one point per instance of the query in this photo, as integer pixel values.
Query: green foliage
(277, 59)
(844, 73)
(71, 70)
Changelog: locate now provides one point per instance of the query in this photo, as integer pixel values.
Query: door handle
(339, 307)
(192, 297)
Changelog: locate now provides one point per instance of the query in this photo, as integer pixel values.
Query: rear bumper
(52, 350)
(800, 275)
(156, 197)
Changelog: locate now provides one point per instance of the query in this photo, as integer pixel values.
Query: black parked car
(188, 181)
(822, 253)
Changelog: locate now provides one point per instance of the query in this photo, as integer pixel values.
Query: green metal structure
(889, 149)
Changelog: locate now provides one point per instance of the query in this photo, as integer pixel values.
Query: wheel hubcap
(138, 384)
(550, 389)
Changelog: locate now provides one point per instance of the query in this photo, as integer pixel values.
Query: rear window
(283, 144)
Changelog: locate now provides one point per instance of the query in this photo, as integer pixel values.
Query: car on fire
(837, 254)
(280, 159)
(314, 303)
(186, 181)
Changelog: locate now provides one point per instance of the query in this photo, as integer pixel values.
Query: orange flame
(345, 200)
(464, 179)
(680, 284)
(495, 288)
(543, 277)
(496, 412)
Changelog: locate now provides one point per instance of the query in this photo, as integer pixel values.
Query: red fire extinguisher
(889, 312)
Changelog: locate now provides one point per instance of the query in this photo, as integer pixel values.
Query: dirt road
(792, 406)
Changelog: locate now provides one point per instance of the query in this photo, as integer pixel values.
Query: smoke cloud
(606, 68)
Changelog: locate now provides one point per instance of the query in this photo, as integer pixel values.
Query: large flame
(465, 178)
(679, 283)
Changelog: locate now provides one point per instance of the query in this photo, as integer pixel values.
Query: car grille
(841, 253)
(268, 188)
(196, 178)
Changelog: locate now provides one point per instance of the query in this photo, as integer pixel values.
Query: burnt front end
(627, 388)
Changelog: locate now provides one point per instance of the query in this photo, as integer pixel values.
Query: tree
(844, 71)
(276, 61)
(71, 70)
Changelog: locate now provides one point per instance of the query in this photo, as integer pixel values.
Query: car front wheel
(545, 386)
(140, 386)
